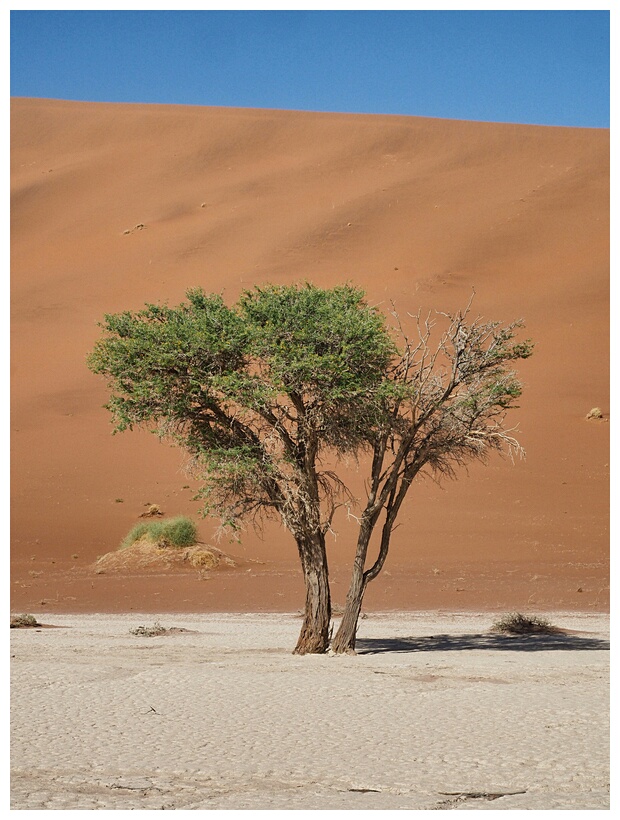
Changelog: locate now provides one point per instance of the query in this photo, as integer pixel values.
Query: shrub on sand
(24, 620)
(162, 545)
(171, 532)
(514, 623)
(149, 631)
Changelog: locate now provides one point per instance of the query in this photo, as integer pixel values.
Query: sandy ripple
(224, 717)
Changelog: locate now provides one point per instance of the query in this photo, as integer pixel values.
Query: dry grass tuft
(153, 510)
(22, 621)
(204, 559)
(156, 630)
(149, 631)
(514, 623)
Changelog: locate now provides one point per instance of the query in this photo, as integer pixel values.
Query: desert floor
(434, 712)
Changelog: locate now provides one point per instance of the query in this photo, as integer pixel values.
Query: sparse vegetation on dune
(163, 545)
(171, 532)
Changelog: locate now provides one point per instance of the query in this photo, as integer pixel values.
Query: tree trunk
(347, 631)
(344, 641)
(314, 635)
(360, 578)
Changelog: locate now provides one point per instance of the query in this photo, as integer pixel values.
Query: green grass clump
(517, 624)
(171, 532)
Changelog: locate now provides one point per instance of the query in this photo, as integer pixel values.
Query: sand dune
(115, 205)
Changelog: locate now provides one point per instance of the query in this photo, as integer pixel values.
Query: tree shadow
(510, 643)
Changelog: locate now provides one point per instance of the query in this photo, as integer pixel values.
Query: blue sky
(539, 67)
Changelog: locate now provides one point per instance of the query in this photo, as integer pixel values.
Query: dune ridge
(114, 205)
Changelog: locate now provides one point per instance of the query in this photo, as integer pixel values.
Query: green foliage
(303, 363)
(261, 392)
(324, 344)
(325, 348)
(171, 532)
(161, 361)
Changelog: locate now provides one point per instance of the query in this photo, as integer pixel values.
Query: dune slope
(116, 205)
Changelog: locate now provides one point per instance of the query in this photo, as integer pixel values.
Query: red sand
(414, 210)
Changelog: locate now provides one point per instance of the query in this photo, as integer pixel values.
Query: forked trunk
(314, 635)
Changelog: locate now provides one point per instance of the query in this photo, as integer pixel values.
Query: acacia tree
(258, 394)
(267, 394)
